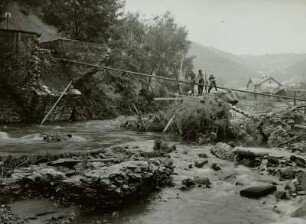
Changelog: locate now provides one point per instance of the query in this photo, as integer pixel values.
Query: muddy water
(220, 204)
(19, 139)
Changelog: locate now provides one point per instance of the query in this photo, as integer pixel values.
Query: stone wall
(33, 77)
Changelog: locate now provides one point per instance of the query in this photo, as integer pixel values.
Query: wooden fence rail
(101, 68)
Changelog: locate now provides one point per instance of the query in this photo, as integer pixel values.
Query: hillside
(235, 70)
(228, 68)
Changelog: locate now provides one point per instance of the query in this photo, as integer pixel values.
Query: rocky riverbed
(248, 185)
(60, 179)
(100, 179)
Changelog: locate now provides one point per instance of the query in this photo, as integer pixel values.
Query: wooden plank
(181, 81)
(300, 126)
(292, 139)
(58, 100)
(169, 123)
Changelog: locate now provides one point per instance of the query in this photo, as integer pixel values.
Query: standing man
(200, 83)
(205, 83)
(212, 83)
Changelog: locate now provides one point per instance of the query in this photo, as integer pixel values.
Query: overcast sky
(237, 26)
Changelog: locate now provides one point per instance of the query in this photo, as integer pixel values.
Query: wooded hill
(235, 70)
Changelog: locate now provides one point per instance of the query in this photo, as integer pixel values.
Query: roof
(19, 31)
(261, 80)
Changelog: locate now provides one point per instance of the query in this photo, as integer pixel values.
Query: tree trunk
(177, 77)
(150, 79)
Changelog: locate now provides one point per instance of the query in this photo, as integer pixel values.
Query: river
(220, 204)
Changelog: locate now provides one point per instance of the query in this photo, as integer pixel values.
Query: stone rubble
(290, 170)
(93, 182)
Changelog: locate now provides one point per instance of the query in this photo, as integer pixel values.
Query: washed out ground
(221, 203)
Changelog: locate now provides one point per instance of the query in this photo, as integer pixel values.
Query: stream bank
(215, 179)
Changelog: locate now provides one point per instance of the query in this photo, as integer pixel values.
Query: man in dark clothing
(201, 83)
(212, 83)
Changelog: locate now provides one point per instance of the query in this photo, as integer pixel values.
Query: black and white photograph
(152, 111)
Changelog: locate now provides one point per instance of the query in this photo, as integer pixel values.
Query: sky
(252, 27)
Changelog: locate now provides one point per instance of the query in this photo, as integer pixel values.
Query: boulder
(223, 151)
(258, 191)
(298, 160)
(202, 155)
(286, 174)
(247, 158)
(188, 183)
(272, 161)
(215, 167)
(202, 181)
(199, 163)
(163, 147)
(56, 137)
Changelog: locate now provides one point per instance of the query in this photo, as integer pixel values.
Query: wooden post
(294, 95)
(58, 100)
(169, 123)
(206, 83)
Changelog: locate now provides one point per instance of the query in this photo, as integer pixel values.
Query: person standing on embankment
(200, 83)
(212, 83)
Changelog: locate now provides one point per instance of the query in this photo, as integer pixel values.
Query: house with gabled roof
(265, 84)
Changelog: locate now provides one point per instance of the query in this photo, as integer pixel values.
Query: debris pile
(203, 121)
(276, 129)
(283, 127)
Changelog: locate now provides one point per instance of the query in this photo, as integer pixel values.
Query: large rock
(223, 151)
(188, 183)
(203, 181)
(56, 137)
(93, 186)
(247, 158)
(298, 160)
(286, 174)
(258, 191)
(215, 167)
(199, 163)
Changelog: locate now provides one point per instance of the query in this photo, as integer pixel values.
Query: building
(264, 84)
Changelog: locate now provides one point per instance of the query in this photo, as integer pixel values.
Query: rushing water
(85, 136)
(220, 204)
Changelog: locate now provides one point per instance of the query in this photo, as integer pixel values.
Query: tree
(88, 20)
(167, 47)
(3, 4)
